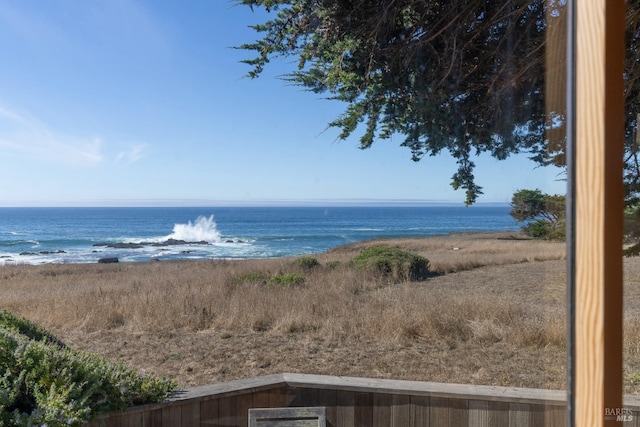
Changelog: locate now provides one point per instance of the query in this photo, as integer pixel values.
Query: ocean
(84, 235)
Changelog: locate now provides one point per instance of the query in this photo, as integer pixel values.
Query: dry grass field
(492, 313)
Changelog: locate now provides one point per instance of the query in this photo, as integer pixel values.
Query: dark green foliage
(543, 229)
(306, 263)
(393, 263)
(24, 327)
(287, 280)
(545, 213)
(526, 204)
(537, 229)
(45, 382)
(633, 250)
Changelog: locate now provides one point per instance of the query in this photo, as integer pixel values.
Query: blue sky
(132, 102)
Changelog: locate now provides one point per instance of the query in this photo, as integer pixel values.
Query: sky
(141, 102)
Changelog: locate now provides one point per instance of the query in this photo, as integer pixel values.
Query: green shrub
(306, 262)
(287, 280)
(393, 263)
(22, 326)
(252, 278)
(45, 382)
(543, 229)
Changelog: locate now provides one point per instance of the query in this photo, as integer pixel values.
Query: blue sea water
(79, 235)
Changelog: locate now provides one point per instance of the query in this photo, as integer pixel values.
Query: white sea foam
(203, 229)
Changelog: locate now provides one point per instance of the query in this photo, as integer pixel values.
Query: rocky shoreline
(168, 242)
(122, 245)
(42, 253)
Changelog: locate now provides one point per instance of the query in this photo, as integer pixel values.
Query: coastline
(83, 235)
(19, 261)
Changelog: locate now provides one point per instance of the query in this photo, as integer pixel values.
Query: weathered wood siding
(358, 402)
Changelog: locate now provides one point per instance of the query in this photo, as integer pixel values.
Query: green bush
(45, 382)
(24, 327)
(287, 280)
(306, 263)
(393, 263)
(543, 229)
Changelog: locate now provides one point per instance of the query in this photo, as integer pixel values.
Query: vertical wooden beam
(599, 206)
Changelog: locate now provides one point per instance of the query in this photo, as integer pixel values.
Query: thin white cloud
(134, 154)
(28, 137)
(11, 116)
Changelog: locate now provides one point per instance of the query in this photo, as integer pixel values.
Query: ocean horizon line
(187, 203)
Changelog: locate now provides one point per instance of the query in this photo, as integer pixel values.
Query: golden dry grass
(494, 314)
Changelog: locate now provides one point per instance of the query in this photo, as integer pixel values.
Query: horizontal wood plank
(467, 391)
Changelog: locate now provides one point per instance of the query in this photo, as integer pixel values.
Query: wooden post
(599, 206)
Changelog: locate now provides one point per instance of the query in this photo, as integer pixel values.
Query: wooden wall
(358, 402)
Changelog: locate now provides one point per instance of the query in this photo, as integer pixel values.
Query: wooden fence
(361, 402)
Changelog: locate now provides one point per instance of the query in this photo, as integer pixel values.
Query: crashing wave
(202, 230)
